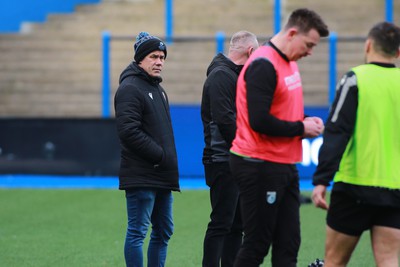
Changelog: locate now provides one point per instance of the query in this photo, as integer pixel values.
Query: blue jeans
(145, 206)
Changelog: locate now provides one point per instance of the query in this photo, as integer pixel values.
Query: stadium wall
(90, 146)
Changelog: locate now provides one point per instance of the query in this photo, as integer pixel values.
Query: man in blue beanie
(149, 168)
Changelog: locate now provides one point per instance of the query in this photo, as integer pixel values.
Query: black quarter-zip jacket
(218, 108)
(148, 152)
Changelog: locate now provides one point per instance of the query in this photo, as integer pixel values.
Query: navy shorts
(350, 216)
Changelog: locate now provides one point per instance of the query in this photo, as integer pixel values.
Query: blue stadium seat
(13, 13)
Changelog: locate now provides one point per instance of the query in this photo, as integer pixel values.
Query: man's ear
(291, 32)
(368, 46)
(250, 50)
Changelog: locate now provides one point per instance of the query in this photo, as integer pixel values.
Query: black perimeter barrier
(88, 147)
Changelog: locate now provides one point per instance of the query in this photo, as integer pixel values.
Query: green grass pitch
(87, 228)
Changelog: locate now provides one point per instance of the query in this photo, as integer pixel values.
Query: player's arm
(222, 104)
(261, 82)
(338, 129)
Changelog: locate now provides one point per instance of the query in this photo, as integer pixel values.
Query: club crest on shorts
(271, 197)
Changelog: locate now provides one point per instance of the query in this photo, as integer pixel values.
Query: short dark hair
(386, 38)
(305, 19)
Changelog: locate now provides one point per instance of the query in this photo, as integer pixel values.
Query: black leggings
(224, 231)
(269, 201)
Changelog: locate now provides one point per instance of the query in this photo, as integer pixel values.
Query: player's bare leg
(338, 248)
(386, 246)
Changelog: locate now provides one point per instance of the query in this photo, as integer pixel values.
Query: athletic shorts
(349, 216)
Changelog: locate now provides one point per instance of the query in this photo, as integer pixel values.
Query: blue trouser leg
(145, 206)
(162, 222)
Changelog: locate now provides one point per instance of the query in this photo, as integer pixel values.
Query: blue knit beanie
(145, 44)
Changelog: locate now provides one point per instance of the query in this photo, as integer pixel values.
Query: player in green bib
(361, 154)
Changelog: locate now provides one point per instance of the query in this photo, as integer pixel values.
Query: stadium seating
(13, 14)
(54, 68)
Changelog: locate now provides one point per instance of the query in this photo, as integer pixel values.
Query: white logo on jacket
(271, 197)
(151, 95)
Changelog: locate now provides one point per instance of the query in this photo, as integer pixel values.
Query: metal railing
(169, 16)
(219, 39)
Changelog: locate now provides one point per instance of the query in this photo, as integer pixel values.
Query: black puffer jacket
(148, 153)
(218, 108)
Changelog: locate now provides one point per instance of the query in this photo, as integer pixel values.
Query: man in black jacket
(218, 112)
(149, 169)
